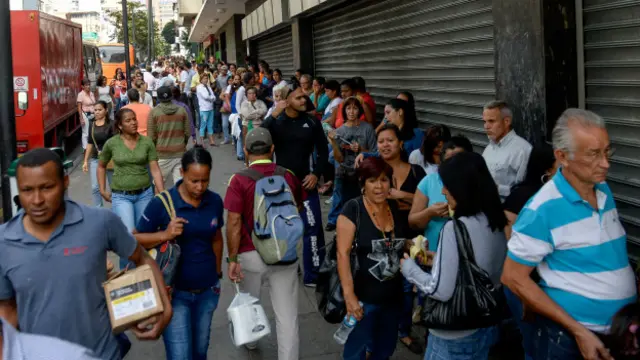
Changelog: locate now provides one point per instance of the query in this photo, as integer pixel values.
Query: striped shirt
(169, 128)
(580, 252)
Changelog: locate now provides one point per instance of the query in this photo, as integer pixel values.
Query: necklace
(377, 224)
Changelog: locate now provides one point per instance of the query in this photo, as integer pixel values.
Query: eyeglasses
(597, 155)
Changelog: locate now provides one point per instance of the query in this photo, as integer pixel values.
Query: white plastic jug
(248, 322)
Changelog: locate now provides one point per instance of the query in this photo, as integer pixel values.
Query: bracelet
(232, 259)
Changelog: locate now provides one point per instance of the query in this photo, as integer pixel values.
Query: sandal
(413, 346)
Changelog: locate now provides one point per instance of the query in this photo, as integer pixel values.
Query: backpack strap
(165, 197)
(252, 174)
(280, 171)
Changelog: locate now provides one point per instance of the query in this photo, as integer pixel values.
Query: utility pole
(125, 28)
(150, 31)
(8, 147)
(133, 27)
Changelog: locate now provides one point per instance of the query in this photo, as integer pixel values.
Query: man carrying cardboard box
(53, 261)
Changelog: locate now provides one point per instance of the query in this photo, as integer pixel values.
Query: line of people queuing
(510, 211)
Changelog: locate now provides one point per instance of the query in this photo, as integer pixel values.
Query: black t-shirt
(101, 134)
(416, 174)
(378, 281)
(518, 197)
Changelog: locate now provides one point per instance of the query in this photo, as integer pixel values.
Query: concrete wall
(236, 49)
(251, 5)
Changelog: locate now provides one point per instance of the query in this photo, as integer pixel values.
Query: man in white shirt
(147, 75)
(507, 154)
(248, 80)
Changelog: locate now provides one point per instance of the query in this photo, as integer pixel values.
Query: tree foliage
(137, 12)
(169, 32)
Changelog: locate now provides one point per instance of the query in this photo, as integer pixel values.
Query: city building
(91, 22)
(163, 11)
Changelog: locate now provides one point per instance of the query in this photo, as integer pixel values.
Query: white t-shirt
(240, 97)
(150, 80)
(332, 105)
(416, 158)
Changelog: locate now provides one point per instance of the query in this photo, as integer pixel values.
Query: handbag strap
(465, 251)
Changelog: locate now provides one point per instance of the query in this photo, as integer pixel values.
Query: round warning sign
(20, 83)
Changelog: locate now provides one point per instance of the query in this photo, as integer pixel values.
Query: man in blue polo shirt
(570, 231)
(53, 256)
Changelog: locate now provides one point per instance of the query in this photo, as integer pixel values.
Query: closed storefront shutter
(440, 50)
(612, 90)
(277, 50)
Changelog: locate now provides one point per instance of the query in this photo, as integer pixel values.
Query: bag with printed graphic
(277, 229)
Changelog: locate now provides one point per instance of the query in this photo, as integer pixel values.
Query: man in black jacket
(296, 135)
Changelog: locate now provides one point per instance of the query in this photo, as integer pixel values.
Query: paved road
(316, 335)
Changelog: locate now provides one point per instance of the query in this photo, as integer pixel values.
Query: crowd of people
(520, 234)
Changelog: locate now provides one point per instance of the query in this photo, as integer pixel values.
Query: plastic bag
(248, 322)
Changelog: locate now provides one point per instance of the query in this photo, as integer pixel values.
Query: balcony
(212, 15)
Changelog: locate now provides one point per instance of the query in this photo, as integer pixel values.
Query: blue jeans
(313, 242)
(225, 127)
(130, 208)
(473, 347)
(187, 335)
(404, 327)
(240, 144)
(95, 188)
(376, 332)
(337, 203)
(206, 122)
(527, 330)
(553, 342)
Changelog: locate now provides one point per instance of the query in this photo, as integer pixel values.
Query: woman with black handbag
(465, 302)
(371, 226)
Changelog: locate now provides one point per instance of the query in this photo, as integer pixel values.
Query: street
(316, 336)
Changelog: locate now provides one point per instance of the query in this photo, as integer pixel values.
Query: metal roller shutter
(440, 50)
(277, 50)
(612, 79)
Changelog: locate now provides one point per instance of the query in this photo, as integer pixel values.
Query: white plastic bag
(248, 322)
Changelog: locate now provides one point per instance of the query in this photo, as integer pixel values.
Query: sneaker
(310, 285)
(251, 346)
(330, 227)
(226, 142)
(329, 201)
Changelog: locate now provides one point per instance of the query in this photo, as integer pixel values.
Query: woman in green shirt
(133, 157)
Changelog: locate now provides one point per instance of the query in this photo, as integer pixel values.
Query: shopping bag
(248, 322)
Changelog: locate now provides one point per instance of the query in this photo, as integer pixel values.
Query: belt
(131, 192)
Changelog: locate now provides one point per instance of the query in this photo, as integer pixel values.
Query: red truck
(48, 66)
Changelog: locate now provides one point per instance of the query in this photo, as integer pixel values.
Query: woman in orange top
(119, 85)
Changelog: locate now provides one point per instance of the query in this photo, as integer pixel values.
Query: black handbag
(476, 302)
(331, 303)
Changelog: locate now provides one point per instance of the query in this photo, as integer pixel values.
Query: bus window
(112, 54)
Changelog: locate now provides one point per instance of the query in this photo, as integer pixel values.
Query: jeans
(404, 327)
(527, 330)
(95, 188)
(187, 335)
(225, 127)
(553, 342)
(240, 145)
(217, 120)
(337, 203)
(130, 208)
(375, 332)
(206, 122)
(313, 242)
(473, 347)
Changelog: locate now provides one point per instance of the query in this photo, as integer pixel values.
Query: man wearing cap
(296, 135)
(169, 129)
(244, 261)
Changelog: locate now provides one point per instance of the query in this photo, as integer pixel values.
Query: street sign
(20, 83)
(92, 36)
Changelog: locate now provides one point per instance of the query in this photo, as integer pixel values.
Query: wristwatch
(232, 259)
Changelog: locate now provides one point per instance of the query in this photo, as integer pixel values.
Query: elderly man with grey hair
(507, 154)
(571, 233)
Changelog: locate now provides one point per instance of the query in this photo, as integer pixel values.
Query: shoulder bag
(476, 302)
(331, 303)
(167, 254)
(110, 165)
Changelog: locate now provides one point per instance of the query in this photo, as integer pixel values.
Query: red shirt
(240, 196)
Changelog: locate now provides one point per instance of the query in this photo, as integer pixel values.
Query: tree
(184, 40)
(169, 32)
(136, 11)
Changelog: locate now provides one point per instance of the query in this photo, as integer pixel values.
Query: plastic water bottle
(346, 327)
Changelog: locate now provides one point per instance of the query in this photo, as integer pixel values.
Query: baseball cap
(165, 94)
(257, 139)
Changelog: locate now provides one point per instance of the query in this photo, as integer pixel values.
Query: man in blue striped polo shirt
(570, 231)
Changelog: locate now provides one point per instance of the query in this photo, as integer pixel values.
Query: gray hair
(282, 90)
(561, 136)
(500, 105)
(306, 76)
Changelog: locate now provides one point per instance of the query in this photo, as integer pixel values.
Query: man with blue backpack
(264, 233)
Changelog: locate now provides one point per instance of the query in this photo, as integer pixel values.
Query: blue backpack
(277, 226)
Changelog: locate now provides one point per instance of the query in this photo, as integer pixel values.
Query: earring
(544, 178)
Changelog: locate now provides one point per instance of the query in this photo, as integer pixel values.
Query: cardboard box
(132, 296)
